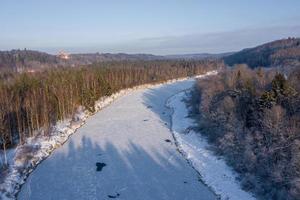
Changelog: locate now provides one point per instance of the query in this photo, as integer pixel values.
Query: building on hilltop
(63, 55)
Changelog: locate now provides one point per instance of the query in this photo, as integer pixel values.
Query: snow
(24, 158)
(132, 140)
(214, 171)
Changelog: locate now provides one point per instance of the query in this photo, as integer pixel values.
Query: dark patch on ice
(99, 154)
(185, 182)
(200, 180)
(149, 107)
(100, 166)
(163, 113)
(113, 196)
(166, 123)
(145, 120)
(167, 140)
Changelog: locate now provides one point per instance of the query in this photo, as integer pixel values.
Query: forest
(32, 103)
(252, 118)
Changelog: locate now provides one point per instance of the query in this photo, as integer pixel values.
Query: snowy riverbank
(213, 170)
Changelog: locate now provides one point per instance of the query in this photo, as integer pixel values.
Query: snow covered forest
(252, 116)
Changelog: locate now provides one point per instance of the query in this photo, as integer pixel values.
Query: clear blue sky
(140, 26)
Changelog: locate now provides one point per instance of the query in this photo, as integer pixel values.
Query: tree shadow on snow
(126, 173)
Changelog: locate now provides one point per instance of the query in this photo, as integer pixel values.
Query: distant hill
(104, 57)
(28, 60)
(97, 57)
(198, 56)
(21, 59)
(284, 52)
(277, 53)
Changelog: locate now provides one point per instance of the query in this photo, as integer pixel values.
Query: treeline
(253, 118)
(31, 103)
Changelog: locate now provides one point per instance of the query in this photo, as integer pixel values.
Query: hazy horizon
(159, 28)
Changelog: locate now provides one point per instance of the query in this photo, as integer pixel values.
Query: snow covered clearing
(214, 171)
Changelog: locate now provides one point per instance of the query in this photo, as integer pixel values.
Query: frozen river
(125, 151)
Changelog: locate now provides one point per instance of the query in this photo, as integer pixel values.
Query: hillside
(277, 53)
